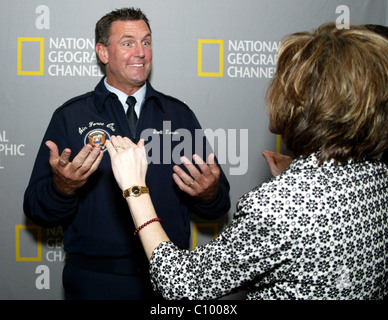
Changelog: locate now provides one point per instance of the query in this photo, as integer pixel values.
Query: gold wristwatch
(135, 191)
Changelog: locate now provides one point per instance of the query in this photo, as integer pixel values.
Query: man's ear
(102, 52)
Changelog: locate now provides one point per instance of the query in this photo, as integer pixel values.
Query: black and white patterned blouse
(310, 233)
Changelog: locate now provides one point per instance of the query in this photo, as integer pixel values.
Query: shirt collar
(102, 93)
(139, 95)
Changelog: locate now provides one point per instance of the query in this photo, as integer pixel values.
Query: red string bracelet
(146, 224)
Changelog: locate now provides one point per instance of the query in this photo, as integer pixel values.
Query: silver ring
(191, 183)
(117, 147)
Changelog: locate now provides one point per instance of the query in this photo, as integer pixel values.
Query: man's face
(128, 58)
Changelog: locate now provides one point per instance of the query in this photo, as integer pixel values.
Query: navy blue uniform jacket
(96, 220)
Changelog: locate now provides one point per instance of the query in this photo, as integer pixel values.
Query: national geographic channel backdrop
(216, 55)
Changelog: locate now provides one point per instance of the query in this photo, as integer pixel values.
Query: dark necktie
(131, 115)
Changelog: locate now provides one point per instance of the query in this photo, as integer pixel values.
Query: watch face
(136, 190)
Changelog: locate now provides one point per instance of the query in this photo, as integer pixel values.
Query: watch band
(135, 191)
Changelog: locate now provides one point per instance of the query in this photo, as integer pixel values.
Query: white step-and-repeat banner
(216, 55)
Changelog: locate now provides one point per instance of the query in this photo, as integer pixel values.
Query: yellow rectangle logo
(220, 72)
(213, 226)
(38, 230)
(40, 70)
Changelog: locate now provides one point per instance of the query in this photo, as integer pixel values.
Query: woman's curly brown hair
(330, 93)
